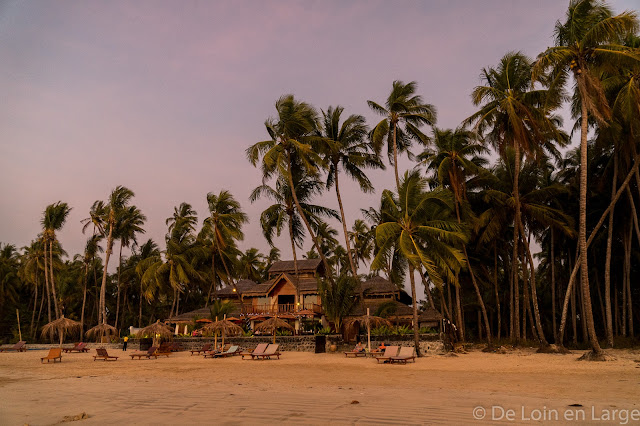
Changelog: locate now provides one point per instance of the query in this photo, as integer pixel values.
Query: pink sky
(164, 97)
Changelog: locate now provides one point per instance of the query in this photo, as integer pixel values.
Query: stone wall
(429, 343)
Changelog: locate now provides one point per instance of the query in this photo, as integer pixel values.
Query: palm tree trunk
(306, 222)
(534, 293)
(354, 268)
(459, 319)
(495, 284)
(118, 292)
(516, 229)
(627, 283)
(213, 279)
(295, 255)
(35, 304)
(416, 325)
(140, 307)
(103, 288)
(395, 156)
(84, 296)
(426, 288)
(39, 315)
(230, 280)
(46, 280)
(553, 286)
(53, 284)
(582, 234)
(607, 264)
(574, 316)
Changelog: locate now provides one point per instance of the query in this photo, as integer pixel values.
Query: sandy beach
(308, 388)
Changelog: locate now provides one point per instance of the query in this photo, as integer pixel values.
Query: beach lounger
(176, 347)
(148, 354)
(78, 347)
(103, 355)
(164, 349)
(258, 350)
(407, 353)
(355, 353)
(388, 353)
(205, 348)
(272, 350)
(233, 350)
(19, 347)
(54, 354)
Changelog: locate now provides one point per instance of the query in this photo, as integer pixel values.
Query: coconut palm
(363, 240)
(420, 226)
(9, 279)
(251, 265)
(54, 217)
(344, 146)
(91, 249)
(338, 299)
(223, 228)
(513, 114)
(147, 255)
(289, 151)
(586, 43)
(404, 113)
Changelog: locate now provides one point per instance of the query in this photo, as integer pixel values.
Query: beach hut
(101, 330)
(156, 330)
(225, 327)
(60, 327)
(273, 324)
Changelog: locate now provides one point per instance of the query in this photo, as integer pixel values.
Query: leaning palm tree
(513, 114)
(223, 228)
(289, 151)
(54, 217)
(420, 226)
(402, 107)
(344, 146)
(588, 41)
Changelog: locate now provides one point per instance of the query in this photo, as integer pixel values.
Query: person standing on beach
(124, 345)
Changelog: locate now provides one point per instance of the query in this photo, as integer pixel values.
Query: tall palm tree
(455, 158)
(148, 255)
(289, 151)
(223, 228)
(363, 239)
(344, 146)
(91, 249)
(404, 113)
(420, 226)
(513, 114)
(54, 217)
(586, 42)
(9, 280)
(251, 265)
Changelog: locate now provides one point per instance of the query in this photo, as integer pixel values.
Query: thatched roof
(370, 321)
(60, 327)
(429, 315)
(155, 329)
(304, 265)
(225, 327)
(273, 324)
(101, 330)
(379, 285)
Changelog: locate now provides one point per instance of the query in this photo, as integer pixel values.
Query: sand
(307, 388)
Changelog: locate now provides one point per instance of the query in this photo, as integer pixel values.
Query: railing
(289, 308)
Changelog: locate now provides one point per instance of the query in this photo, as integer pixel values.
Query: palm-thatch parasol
(272, 324)
(101, 330)
(156, 329)
(225, 327)
(368, 320)
(60, 327)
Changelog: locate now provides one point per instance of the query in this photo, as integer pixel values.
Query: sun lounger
(103, 355)
(388, 353)
(78, 347)
(176, 347)
(19, 347)
(54, 354)
(407, 353)
(272, 350)
(164, 349)
(205, 348)
(355, 353)
(150, 353)
(258, 350)
(233, 350)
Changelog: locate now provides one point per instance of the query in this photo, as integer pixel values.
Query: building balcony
(289, 308)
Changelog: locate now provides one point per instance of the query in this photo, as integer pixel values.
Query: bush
(324, 331)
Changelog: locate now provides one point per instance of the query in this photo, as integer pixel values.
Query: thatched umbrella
(60, 327)
(368, 320)
(155, 329)
(101, 330)
(225, 327)
(272, 324)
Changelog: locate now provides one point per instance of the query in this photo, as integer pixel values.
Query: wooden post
(368, 331)
(19, 331)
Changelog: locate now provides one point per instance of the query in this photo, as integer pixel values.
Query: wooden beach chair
(67, 350)
(21, 346)
(205, 348)
(233, 350)
(407, 353)
(54, 354)
(258, 350)
(355, 353)
(388, 353)
(272, 350)
(148, 354)
(78, 347)
(164, 349)
(103, 355)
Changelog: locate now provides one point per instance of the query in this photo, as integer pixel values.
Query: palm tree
(31, 265)
(289, 151)
(419, 225)
(148, 255)
(363, 239)
(402, 107)
(456, 158)
(9, 280)
(344, 146)
(91, 249)
(338, 299)
(251, 265)
(223, 228)
(589, 39)
(513, 114)
(54, 217)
